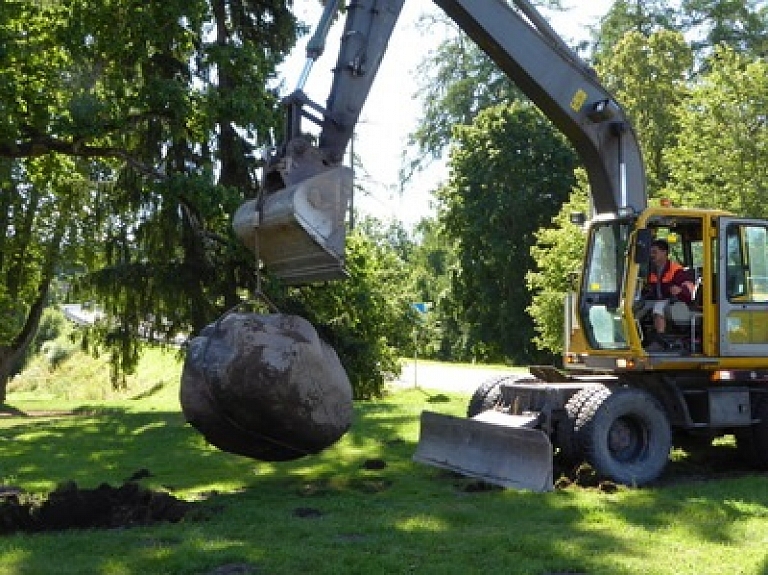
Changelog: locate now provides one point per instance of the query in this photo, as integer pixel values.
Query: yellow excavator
(617, 403)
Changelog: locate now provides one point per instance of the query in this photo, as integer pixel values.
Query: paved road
(446, 376)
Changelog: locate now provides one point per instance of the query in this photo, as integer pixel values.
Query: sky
(393, 107)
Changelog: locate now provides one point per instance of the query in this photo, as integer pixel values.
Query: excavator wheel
(486, 396)
(625, 435)
(489, 395)
(567, 440)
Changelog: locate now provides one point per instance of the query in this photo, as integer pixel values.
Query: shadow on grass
(362, 506)
(10, 411)
(94, 444)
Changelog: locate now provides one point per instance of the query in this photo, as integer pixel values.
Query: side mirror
(643, 246)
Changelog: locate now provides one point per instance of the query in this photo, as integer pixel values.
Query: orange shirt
(673, 275)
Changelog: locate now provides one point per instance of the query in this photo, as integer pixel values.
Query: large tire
(487, 396)
(752, 441)
(625, 435)
(567, 441)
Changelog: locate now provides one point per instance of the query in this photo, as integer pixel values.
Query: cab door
(742, 287)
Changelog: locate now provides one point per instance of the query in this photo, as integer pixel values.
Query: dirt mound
(70, 507)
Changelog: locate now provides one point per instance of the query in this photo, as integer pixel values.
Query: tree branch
(42, 145)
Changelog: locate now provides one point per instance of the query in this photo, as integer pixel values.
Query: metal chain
(258, 292)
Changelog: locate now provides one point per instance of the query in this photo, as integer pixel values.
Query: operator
(667, 281)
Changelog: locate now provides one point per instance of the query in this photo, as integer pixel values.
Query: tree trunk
(12, 354)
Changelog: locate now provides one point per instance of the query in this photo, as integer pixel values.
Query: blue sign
(422, 306)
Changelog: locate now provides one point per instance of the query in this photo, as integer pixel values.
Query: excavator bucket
(299, 232)
(494, 447)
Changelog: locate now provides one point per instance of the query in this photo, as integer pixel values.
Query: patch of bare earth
(71, 507)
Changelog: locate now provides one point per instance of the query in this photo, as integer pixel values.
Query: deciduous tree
(457, 81)
(648, 75)
(510, 173)
(559, 255)
(721, 157)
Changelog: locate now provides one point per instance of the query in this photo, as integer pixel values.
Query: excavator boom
(297, 225)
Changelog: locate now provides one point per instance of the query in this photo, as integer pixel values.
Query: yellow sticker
(578, 100)
(594, 287)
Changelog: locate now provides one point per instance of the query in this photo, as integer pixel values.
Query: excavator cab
(614, 306)
(726, 264)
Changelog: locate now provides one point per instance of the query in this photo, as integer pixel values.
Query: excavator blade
(299, 232)
(493, 447)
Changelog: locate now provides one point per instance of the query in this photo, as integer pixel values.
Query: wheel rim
(628, 439)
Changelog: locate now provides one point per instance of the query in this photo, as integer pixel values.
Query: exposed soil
(704, 464)
(707, 464)
(581, 476)
(70, 507)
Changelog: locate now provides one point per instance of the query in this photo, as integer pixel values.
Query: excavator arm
(554, 78)
(297, 226)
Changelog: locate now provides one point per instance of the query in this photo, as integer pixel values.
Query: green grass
(255, 517)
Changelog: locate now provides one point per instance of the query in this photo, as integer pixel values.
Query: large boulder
(266, 387)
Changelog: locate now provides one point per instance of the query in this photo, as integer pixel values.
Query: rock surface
(266, 387)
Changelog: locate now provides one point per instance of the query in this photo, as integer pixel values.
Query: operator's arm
(682, 287)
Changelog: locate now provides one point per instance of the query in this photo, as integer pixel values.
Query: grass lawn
(331, 514)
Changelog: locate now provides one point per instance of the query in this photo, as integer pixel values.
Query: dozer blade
(299, 231)
(493, 447)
